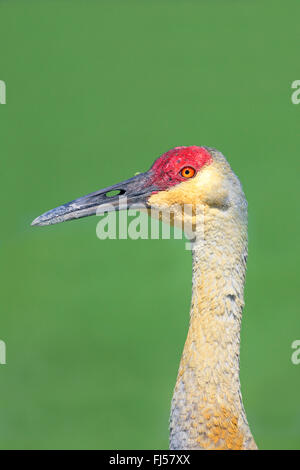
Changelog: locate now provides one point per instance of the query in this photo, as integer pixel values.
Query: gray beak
(134, 191)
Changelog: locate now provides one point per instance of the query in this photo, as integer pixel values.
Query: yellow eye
(188, 172)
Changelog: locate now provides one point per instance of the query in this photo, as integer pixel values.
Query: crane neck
(207, 410)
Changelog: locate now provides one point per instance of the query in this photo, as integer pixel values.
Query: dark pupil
(187, 172)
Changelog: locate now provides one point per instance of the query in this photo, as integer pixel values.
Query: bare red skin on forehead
(166, 169)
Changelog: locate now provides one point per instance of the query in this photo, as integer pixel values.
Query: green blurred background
(96, 90)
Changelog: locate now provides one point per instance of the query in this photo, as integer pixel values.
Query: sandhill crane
(207, 410)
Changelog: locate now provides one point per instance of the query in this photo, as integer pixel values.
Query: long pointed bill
(134, 191)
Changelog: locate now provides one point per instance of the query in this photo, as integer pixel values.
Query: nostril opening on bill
(115, 192)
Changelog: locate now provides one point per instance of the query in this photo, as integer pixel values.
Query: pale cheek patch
(213, 190)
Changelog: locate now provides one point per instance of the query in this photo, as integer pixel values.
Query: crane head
(183, 175)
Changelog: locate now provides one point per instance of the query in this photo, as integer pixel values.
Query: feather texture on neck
(207, 410)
